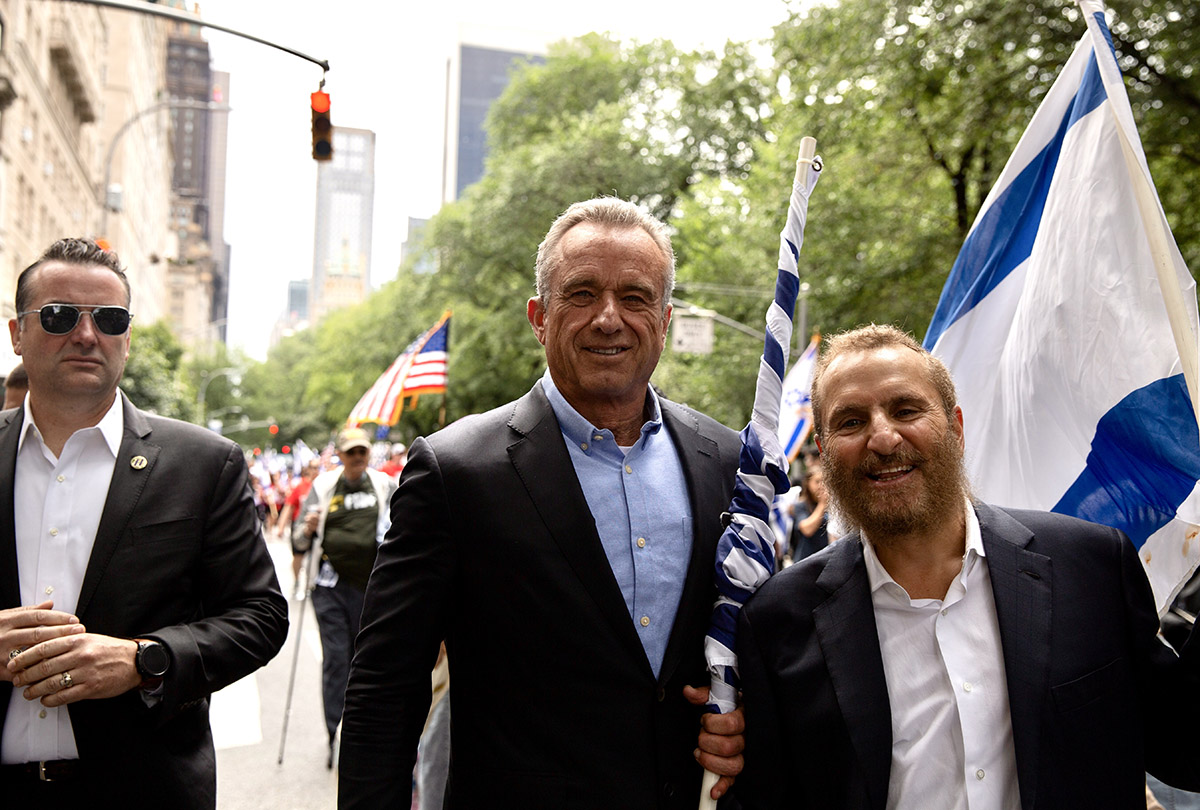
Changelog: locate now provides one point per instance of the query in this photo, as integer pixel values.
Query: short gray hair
(611, 211)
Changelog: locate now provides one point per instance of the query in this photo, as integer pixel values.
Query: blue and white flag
(795, 412)
(746, 549)
(1069, 323)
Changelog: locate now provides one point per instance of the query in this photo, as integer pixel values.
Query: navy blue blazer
(1096, 699)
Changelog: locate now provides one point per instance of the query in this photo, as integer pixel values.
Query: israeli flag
(1069, 323)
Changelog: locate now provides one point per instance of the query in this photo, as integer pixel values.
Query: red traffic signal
(273, 429)
(322, 127)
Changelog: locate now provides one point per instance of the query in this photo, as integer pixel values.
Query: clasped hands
(52, 657)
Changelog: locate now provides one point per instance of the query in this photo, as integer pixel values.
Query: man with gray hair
(562, 545)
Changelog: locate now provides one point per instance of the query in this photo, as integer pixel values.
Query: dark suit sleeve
(244, 621)
(1170, 685)
(758, 787)
(404, 621)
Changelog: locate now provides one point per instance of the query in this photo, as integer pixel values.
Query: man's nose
(884, 439)
(608, 313)
(85, 329)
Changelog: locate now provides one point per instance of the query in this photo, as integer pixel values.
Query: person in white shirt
(134, 580)
(948, 654)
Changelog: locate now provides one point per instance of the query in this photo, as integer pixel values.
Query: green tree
(153, 377)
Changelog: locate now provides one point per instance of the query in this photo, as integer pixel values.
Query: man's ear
(14, 332)
(535, 311)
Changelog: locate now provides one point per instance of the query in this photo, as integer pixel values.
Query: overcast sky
(387, 74)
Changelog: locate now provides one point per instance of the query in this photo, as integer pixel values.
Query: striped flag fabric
(795, 414)
(1069, 322)
(746, 550)
(420, 369)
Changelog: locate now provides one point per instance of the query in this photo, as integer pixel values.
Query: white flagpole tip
(808, 149)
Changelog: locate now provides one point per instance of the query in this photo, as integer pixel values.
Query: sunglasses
(60, 319)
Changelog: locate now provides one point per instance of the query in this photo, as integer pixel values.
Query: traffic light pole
(182, 16)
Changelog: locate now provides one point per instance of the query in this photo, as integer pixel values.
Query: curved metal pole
(171, 103)
(190, 19)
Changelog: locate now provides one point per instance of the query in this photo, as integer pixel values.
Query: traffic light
(322, 127)
(273, 429)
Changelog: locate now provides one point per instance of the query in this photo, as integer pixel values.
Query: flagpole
(1160, 250)
(745, 553)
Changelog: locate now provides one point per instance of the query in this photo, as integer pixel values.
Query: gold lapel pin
(138, 462)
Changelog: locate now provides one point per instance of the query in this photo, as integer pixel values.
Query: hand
(721, 741)
(100, 667)
(23, 627)
(310, 522)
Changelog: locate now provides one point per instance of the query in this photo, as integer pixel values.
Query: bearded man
(947, 653)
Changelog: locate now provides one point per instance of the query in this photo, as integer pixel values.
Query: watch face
(152, 659)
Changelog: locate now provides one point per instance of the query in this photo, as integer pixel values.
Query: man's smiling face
(603, 323)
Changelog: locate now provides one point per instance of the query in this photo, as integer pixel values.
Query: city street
(247, 720)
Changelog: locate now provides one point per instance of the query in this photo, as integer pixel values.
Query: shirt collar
(111, 425)
(578, 430)
(878, 576)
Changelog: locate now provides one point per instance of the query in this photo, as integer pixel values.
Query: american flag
(420, 369)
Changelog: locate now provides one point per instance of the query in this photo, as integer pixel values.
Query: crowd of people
(555, 555)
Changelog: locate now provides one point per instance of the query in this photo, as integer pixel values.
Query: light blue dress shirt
(639, 500)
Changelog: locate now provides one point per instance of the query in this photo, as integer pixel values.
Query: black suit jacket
(1095, 698)
(178, 557)
(555, 705)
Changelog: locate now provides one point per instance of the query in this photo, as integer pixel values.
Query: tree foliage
(153, 378)
(916, 107)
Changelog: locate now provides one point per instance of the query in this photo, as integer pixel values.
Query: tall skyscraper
(476, 76)
(198, 276)
(345, 206)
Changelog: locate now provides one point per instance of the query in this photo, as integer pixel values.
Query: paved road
(247, 719)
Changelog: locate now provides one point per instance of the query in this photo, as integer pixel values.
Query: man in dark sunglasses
(134, 580)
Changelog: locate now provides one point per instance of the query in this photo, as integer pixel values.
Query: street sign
(692, 334)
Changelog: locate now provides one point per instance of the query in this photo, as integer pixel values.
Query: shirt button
(645, 621)
(49, 589)
(628, 469)
(583, 445)
(943, 612)
(979, 774)
(641, 542)
(597, 438)
(62, 478)
(42, 714)
(54, 532)
(967, 687)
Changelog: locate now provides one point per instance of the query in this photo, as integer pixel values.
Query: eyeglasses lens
(59, 319)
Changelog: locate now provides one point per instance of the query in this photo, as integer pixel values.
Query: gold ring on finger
(67, 680)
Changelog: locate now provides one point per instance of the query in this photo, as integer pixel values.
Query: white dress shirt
(57, 507)
(952, 741)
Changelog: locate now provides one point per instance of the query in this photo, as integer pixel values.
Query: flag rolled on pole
(1069, 323)
(746, 550)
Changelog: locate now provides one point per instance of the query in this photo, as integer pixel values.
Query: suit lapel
(10, 586)
(700, 458)
(1022, 587)
(128, 482)
(544, 467)
(844, 621)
